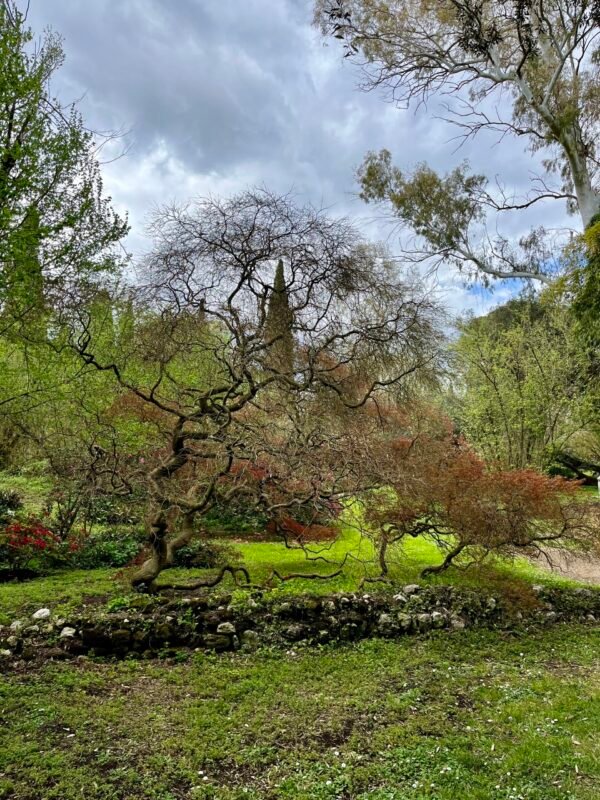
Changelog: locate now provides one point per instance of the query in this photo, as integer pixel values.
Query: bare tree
(200, 359)
(523, 68)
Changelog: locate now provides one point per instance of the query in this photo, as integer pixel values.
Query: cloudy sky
(216, 95)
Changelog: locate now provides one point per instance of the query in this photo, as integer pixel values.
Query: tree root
(376, 579)
(311, 576)
(210, 582)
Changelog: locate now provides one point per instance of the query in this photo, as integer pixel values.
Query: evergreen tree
(279, 326)
(56, 227)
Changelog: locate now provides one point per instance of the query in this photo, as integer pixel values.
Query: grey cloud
(222, 93)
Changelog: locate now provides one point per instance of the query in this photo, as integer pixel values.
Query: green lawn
(473, 715)
(33, 489)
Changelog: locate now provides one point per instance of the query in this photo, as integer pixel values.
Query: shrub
(111, 510)
(10, 503)
(442, 490)
(27, 544)
(205, 554)
(113, 548)
(235, 519)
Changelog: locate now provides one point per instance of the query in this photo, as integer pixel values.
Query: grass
(61, 591)
(33, 489)
(475, 714)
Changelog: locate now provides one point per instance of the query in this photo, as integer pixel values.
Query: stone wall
(219, 623)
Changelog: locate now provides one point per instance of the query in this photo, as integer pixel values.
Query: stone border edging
(218, 623)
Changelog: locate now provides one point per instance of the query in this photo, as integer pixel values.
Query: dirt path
(579, 567)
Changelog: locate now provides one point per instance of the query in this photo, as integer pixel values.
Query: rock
(491, 603)
(163, 632)
(96, 637)
(438, 619)
(295, 632)
(386, 624)
(399, 598)
(67, 633)
(226, 628)
(12, 641)
(311, 605)
(140, 639)
(218, 642)
(5, 654)
(41, 613)
(60, 623)
(55, 653)
(329, 607)
(412, 588)
(349, 631)
(424, 621)
(457, 623)
(250, 639)
(405, 621)
(32, 629)
(119, 639)
(591, 618)
(16, 625)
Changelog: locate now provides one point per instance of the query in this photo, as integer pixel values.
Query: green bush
(235, 519)
(10, 503)
(111, 510)
(114, 548)
(204, 554)
(556, 469)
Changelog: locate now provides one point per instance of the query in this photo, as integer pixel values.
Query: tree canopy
(522, 68)
(57, 228)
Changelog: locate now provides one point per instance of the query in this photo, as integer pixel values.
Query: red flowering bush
(26, 543)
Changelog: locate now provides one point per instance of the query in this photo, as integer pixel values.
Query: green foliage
(440, 209)
(52, 208)
(205, 554)
(585, 284)
(108, 509)
(522, 391)
(106, 548)
(278, 325)
(474, 715)
(10, 502)
(234, 518)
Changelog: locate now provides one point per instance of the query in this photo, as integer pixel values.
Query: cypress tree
(279, 326)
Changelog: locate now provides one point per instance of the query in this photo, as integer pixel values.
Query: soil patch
(577, 566)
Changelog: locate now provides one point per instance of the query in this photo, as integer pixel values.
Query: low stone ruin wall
(221, 623)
